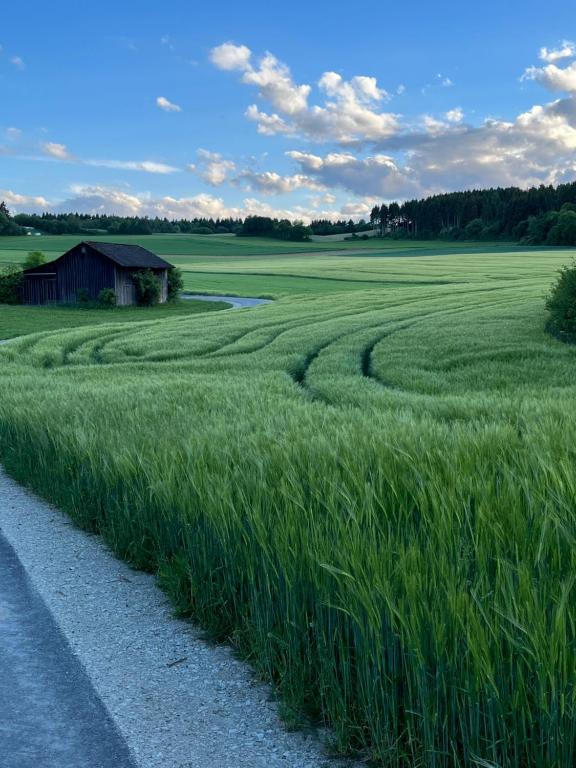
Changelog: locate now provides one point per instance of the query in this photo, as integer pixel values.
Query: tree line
(535, 216)
(103, 224)
(539, 215)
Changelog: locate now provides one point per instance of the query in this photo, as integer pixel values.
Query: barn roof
(129, 255)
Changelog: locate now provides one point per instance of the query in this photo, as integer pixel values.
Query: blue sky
(308, 110)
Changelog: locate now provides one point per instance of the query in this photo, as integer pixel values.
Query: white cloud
(538, 147)
(455, 115)
(348, 114)
(59, 151)
(401, 89)
(13, 133)
(567, 50)
(271, 183)
(230, 56)
(446, 83)
(167, 106)
(326, 199)
(212, 167)
(149, 166)
(23, 202)
(18, 62)
(554, 78)
(269, 125)
(376, 175)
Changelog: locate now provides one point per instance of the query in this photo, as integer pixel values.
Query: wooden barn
(91, 267)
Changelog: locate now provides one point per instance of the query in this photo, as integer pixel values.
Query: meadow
(367, 486)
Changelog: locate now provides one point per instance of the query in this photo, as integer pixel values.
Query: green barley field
(368, 486)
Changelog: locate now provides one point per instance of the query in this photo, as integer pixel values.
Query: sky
(311, 110)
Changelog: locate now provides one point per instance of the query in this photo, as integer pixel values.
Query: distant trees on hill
(536, 216)
(281, 229)
(533, 216)
(84, 223)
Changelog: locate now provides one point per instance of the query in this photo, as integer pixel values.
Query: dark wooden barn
(91, 267)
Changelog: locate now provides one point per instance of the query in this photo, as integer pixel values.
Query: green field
(18, 320)
(368, 486)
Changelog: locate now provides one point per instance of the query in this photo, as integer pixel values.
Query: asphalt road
(50, 715)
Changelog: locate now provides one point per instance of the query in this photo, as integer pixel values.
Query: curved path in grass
(238, 302)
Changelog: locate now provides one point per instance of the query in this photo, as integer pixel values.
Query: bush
(83, 295)
(10, 285)
(34, 259)
(107, 298)
(561, 305)
(148, 288)
(175, 283)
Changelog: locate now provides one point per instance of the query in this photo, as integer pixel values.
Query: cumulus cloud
(211, 167)
(554, 78)
(566, 50)
(18, 62)
(230, 56)
(375, 175)
(59, 151)
(538, 147)
(349, 111)
(13, 133)
(23, 202)
(167, 106)
(455, 115)
(271, 183)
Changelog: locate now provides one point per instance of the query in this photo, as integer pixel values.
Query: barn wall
(125, 288)
(87, 270)
(40, 288)
(163, 275)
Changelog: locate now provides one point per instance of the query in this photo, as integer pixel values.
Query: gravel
(178, 701)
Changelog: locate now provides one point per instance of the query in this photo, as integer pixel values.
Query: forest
(536, 216)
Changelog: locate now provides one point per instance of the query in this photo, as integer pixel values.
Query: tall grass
(371, 494)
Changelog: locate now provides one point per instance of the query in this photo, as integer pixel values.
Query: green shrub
(561, 305)
(175, 283)
(34, 259)
(148, 288)
(10, 285)
(107, 298)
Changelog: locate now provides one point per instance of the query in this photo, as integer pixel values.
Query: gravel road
(175, 700)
